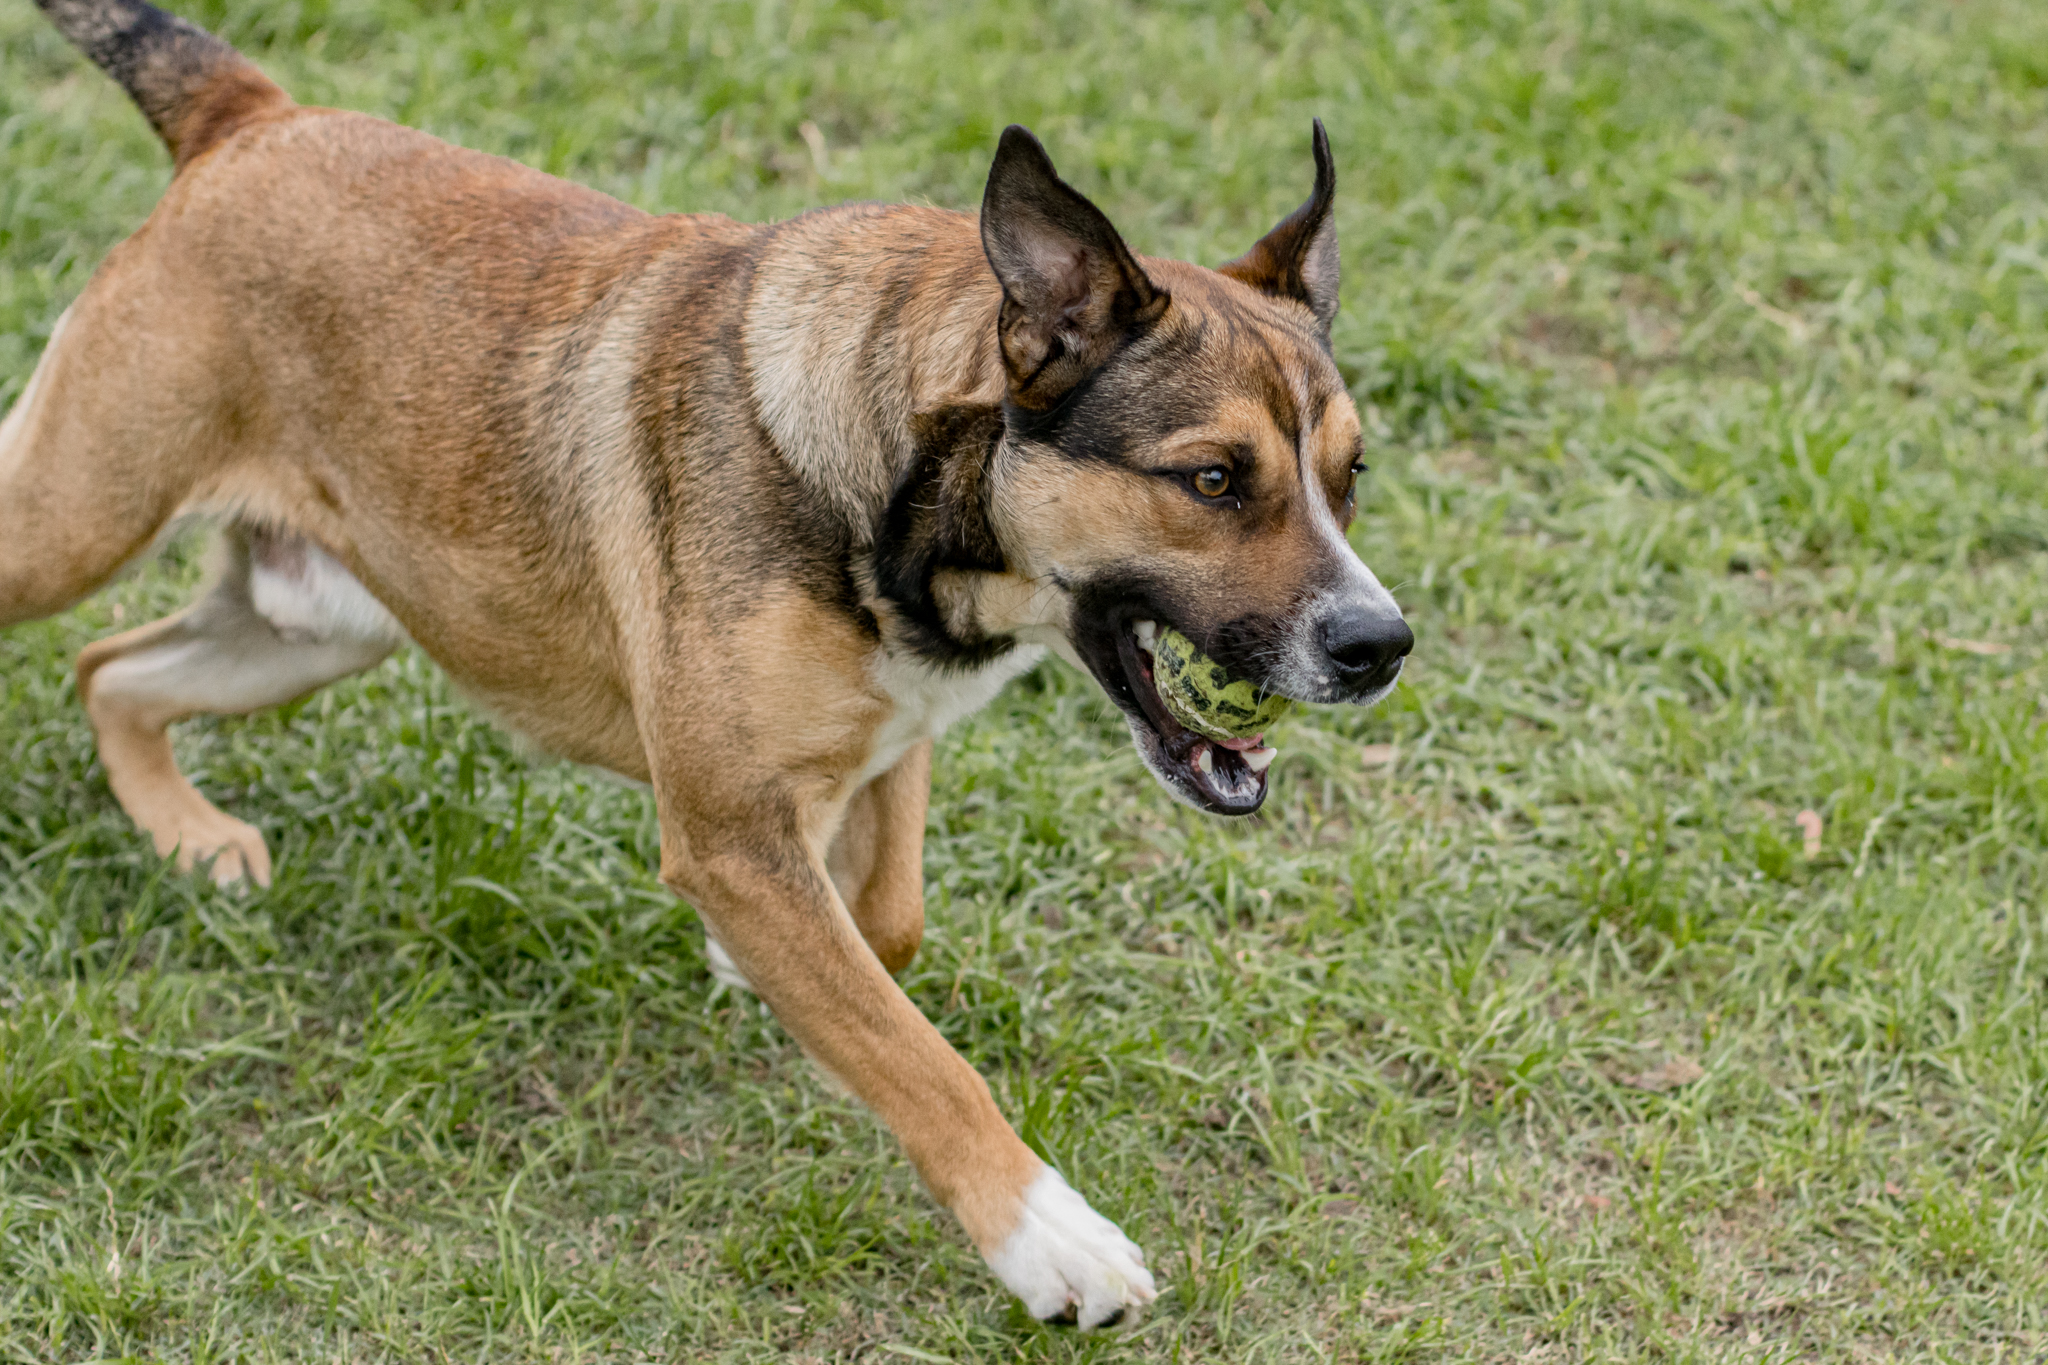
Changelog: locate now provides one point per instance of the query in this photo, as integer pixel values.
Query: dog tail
(193, 88)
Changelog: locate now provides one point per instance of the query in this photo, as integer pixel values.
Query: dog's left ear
(1298, 259)
(1072, 291)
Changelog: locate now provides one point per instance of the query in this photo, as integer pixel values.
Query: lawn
(1661, 975)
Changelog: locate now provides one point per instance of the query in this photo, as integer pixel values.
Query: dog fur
(748, 513)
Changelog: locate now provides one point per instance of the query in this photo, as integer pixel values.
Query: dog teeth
(1258, 760)
(1146, 632)
(1205, 761)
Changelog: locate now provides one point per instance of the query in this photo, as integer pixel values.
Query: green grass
(1704, 351)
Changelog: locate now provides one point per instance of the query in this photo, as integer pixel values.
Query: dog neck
(857, 319)
(872, 356)
(934, 545)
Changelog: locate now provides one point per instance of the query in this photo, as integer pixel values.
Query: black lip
(1177, 738)
(1171, 745)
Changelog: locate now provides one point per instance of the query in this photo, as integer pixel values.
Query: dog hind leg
(68, 522)
(282, 620)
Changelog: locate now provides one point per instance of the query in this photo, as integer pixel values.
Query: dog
(746, 513)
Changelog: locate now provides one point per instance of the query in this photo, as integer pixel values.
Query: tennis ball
(1205, 698)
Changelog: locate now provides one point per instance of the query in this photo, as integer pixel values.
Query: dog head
(1175, 448)
(1179, 449)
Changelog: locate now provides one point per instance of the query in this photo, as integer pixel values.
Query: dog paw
(1067, 1262)
(230, 850)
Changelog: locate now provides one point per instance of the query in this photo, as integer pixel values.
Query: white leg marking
(1065, 1257)
(227, 674)
(307, 596)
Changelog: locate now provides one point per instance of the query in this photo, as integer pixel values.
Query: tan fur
(877, 860)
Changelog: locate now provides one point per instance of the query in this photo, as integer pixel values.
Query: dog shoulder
(858, 317)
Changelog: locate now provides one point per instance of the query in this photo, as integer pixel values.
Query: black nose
(1367, 646)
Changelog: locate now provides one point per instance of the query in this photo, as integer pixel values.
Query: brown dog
(747, 513)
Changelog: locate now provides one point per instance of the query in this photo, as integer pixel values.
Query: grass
(1704, 350)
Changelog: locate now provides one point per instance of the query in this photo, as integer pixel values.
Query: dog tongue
(1253, 742)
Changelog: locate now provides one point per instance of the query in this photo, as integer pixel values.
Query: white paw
(1069, 1263)
(723, 967)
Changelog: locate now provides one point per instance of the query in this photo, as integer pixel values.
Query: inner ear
(1298, 259)
(1072, 291)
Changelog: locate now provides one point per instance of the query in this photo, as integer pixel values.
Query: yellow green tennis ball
(1201, 695)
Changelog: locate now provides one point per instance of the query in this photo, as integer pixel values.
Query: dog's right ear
(1072, 291)
(1298, 259)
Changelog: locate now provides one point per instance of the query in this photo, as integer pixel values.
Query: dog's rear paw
(1068, 1263)
(230, 850)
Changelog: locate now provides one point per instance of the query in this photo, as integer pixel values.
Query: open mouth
(1226, 776)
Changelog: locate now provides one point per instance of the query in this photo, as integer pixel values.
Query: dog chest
(925, 700)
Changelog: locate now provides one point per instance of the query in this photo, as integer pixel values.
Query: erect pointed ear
(1072, 291)
(1298, 259)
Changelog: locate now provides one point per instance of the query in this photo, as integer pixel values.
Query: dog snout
(1366, 646)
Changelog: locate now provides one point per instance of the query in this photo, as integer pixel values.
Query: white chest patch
(928, 699)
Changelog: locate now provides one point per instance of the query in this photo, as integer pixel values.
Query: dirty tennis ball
(1201, 695)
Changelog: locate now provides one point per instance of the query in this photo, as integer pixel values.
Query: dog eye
(1358, 467)
(1212, 482)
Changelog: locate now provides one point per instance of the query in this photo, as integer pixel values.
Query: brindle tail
(193, 88)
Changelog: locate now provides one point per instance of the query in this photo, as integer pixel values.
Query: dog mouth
(1222, 776)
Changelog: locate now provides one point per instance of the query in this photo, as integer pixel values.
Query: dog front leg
(877, 866)
(877, 858)
(764, 890)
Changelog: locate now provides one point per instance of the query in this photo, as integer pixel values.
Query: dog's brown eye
(1213, 482)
